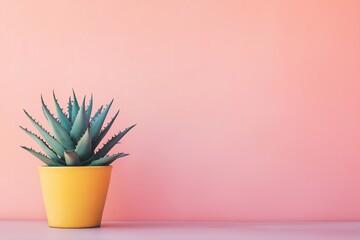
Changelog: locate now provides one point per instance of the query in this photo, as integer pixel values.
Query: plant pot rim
(74, 167)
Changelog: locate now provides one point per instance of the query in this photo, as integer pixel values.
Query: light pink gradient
(246, 110)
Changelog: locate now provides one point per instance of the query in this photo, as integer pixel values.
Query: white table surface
(39, 230)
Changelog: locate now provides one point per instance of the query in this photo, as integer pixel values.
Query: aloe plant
(75, 135)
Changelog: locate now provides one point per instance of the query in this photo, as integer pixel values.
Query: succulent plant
(76, 135)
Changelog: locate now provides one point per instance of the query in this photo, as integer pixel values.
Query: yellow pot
(75, 196)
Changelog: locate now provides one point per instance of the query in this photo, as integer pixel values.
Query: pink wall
(246, 110)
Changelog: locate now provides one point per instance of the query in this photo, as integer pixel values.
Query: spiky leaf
(64, 121)
(111, 143)
(83, 148)
(87, 162)
(104, 131)
(51, 141)
(107, 160)
(89, 108)
(75, 108)
(59, 131)
(71, 158)
(69, 109)
(42, 157)
(43, 145)
(81, 123)
(99, 121)
(96, 115)
(44, 113)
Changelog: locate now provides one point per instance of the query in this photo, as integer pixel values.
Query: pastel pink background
(246, 110)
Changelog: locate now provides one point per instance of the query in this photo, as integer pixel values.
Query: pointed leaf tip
(111, 143)
(75, 107)
(58, 130)
(42, 157)
(89, 108)
(105, 130)
(80, 123)
(63, 119)
(98, 121)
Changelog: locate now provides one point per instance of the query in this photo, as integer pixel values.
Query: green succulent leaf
(81, 123)
(96, 115)
(59, 131)
(75, 134)
(43, 145)
(107, 160)
(87, 162)
(42, 157)
(51, 141)
(83, 148)
(99, 121)
(64, 121)
(104, 131)
(69, 109)
(89, 108)
(111, 143)
(44, 113)
(75, 108)
(72, 158)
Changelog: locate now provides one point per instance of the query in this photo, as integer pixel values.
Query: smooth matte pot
(75, 196)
